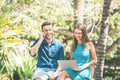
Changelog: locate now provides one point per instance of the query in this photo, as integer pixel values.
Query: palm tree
(101, 46)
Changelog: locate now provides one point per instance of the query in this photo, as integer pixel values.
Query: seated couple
(50, 50)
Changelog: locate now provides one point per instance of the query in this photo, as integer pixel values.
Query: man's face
(48, 32)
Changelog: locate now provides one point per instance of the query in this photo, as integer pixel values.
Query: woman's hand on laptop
(83, 67)
(58, 71)
(56, 74)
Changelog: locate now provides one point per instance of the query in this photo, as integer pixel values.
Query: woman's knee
(63, 75)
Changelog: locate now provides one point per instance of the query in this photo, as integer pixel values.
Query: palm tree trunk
(101, 46)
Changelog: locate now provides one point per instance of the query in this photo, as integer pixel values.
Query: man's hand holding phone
(42, 36)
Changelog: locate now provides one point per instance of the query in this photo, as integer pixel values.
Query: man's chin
(48, 38)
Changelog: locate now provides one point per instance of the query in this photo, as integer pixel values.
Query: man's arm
(34, 49)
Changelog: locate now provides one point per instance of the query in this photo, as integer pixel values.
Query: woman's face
(78, 34)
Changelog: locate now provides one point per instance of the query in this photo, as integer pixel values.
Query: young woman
(83, 51)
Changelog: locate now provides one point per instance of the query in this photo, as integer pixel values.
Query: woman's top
(82, 56)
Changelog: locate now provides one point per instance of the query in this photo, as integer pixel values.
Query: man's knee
(38, 79)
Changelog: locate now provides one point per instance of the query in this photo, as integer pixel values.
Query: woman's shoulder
(90, 44)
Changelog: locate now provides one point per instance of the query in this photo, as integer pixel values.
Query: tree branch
(112, 31)
(63, 32)
(113, 47)
(116, 9)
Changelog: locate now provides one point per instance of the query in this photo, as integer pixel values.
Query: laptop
(68, 64)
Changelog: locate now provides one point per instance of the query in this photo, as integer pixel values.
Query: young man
(49, 51)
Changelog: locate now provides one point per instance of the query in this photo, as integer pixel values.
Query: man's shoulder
(56, 41)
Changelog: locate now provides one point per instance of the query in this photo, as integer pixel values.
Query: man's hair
(45, 24)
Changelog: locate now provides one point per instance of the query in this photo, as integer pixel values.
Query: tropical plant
(19, 25)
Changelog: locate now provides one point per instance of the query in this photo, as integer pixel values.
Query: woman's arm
(93, 60)
(93, 53)
(93, 56)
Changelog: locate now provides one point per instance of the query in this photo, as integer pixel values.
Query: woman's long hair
(84, 36)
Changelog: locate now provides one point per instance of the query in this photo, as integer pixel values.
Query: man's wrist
(41, 39)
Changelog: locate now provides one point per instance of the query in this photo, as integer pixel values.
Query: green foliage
(112, 64)
(17, 61)
(2, 66)
(108, 78)
(21, 20)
